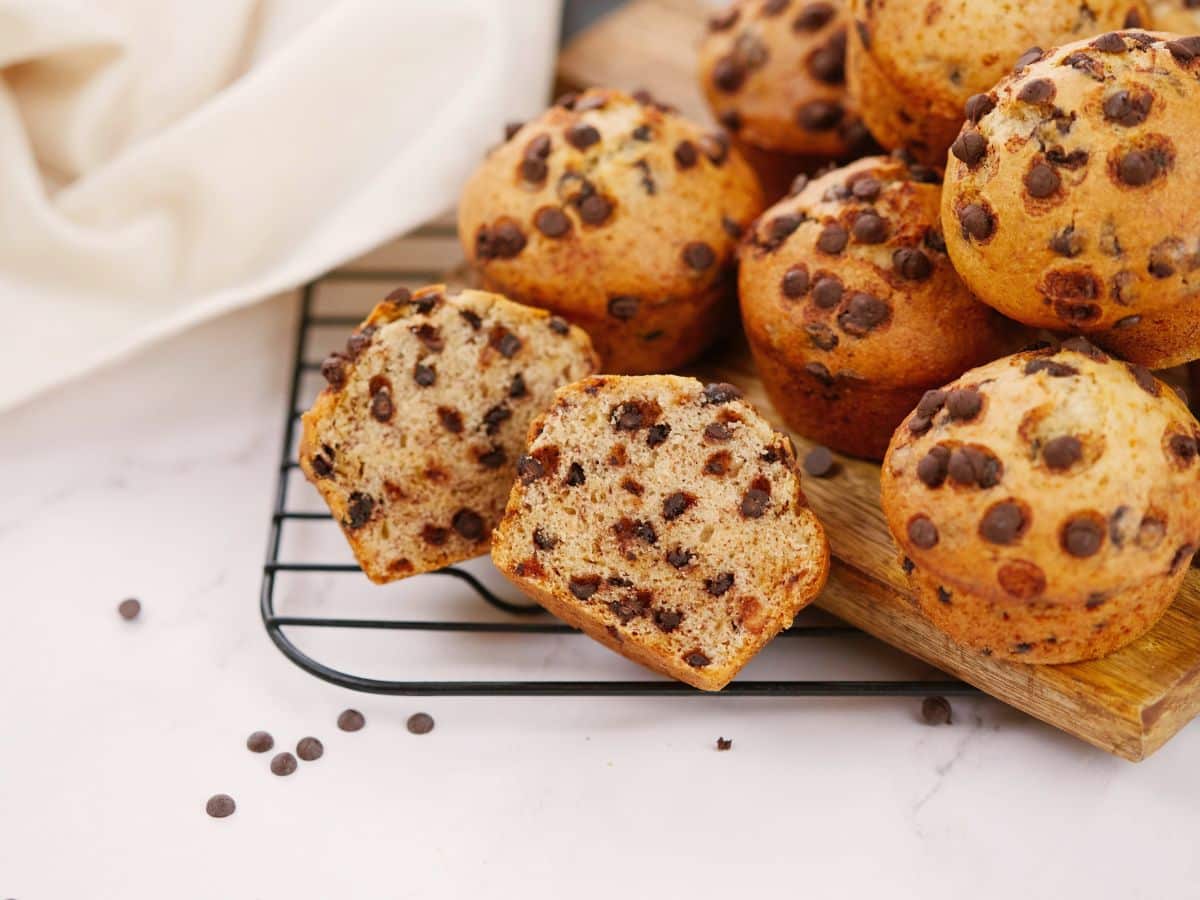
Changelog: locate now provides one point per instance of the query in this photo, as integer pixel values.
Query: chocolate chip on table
(976, 222)
(1041, 180)
(978, 106)
(1003, 523)
(935, 711)
(922, 532)
(260, 742)
(582, 135)
(310, 749)
(819, 462)
(970, 147)
(419, 723)
(129, 608)
(220, 806)
(833, 239)
(724, 743)
(1062, 452)
(870, 228)
(351, 720)
(283, 764)
(551, 221)
(698, 256)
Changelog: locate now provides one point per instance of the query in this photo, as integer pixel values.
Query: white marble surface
(155, 479)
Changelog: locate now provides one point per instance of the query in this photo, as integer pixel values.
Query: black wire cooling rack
(520, 616)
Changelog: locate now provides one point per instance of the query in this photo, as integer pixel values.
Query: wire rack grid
(519, 618)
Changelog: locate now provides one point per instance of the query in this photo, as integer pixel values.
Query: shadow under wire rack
(519, 618)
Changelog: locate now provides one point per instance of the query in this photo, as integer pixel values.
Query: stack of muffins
(1030, 182)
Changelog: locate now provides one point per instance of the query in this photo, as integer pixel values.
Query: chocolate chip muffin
(1178, 16)
(912, 64)
(1070, 199)
(852, 308)
(665, 519)
(619, 215)
(773, 72)
(1046, 504)
(414, 443)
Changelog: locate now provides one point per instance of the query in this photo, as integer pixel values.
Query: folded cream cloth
(162, 161)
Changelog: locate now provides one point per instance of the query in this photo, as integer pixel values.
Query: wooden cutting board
(1129, 703)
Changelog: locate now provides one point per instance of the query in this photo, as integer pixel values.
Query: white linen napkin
(162, 161)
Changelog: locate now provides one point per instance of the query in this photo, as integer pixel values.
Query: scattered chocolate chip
(530, 469)
(1039, 90)
(656, 434)
(833, 239)
(424, 375)
(1109, 43)
(468, 524)
(679, 558)
(451, 419)
(1184, 49)
(795, 282)
(471, 318)
(584, 588)
(434, 535)
(724, 743)
(963, 403)
(334, 370)
(310, 749)
(359, 509)
(978, 106)
(870, 228)
(719, 585)
(820, 372)
(696, 659)
(813, 16)
(517, 388)
(970, 147)
(1137, 168)
(283, 764)
(819, 115)
(558, 325)
(922, 532)
(594, 209)
(827, 63)
(827, 292)
(754, 503)
(582, 135)
(728, 74)
(1127, 108)
(1028, 58)
(933, 467)
(718, 393)
(220, 806)
(551, 221)
(350, 720)
(676, 505)
(977, 222)
(1062, 452)
(931, 403)
(866, 189)
(717, 431)
(419, 723)
(821, 336)
(1067, 243)
(686, 155)
(780, 228)
(260, 742)
(129, 608)
(819, 462)
(495, 417)
(863, 314)
(382, 408)
(575, 475)
(698, 256)
(1050, 367)
(935, 711)
(1041, 180)
(912, 264)
(1003, 523)
(1082, 537)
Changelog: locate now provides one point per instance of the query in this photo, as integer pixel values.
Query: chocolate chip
(696, 659)
(551, 221)
(321, 466)
(1062, 452)
(584, 588)
(623, 307)
(1082, 537)
(728, 74)
(430, 336)
(676, 505)
(359, 510)
(754, 503)
(919, 424)
(283, 764)
(819, 462)
(310, 749)
(517, 388)
(260, 742)
(717, 431)
(718, 393)
(1109, 43)
(1127, 109)
(594, 209)
(719, 585)
(933, 467)
(1127, 322)
(558, 325)
(451, 419)
(424, 375)
(978, 106)
(912, 264)
(1039, 90)
(419, 723)
(667, 620)
(819, 115)
(493, 458)
(935, 711)
(1041, 180)
(1144, 379)
(866, 189)
(795, 282)
(827, 63)
(657, 434)
(530, 469)
(731, 120)
(780, 228)
(1137, 168)
(969, 466)
(468, 524)
(970, 147)
(1080, 344)
(931, 403)
(1183, 448)
(686, 155)
(977, 222)
(833, 239)
(698, 256)
(1067, 243)
(351, 720)
(434, 535)
(334, 371)
(1003, 523)
(575, 475)
(679, 557)
(129, 608)
(731, 228)
(863, 314)
(382, 408)
(922, 532)
(813, 16)
(495, 417)
(582, 135)
(870, 229)
(1028, 58)
(1050, 367)
(827, 292)
(1184, 49)
(820, 372)
(220, 806)
(504, 240)
(963, 403)
(821, 336)
(628, 417)
(471, 318)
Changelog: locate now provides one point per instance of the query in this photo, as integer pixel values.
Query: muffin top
(949, 50)
(604, 198)
(1070, 198)
(1062, 474)
(849, 278)
(1178, 16)
(773, 72)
